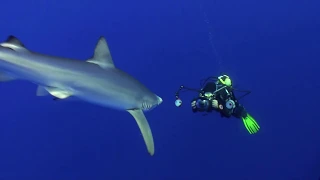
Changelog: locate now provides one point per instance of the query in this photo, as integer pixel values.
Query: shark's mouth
(147, 107)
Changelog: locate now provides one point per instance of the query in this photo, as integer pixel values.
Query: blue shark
(95, 80)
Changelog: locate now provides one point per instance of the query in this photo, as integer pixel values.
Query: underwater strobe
(178, 101)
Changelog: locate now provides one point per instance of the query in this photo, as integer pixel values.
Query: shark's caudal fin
(102, 55)
(144, 128)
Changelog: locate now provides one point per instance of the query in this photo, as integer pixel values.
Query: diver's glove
(251, 124)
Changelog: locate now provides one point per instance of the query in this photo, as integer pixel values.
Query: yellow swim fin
(251, 124)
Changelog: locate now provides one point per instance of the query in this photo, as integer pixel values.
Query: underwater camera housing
(203, 82)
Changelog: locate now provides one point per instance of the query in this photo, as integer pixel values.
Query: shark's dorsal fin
(13, 43)
(102, 55)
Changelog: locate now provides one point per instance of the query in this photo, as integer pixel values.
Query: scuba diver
(218, 95)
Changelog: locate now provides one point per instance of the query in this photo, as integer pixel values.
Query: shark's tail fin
(144, 128)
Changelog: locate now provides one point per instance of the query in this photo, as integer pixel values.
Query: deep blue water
(270, 47)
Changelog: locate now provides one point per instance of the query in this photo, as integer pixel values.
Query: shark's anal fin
(56, 92)
(59, 93)
(102, 55)
(144, 128)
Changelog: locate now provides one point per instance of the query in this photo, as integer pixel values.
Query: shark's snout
(159, 100)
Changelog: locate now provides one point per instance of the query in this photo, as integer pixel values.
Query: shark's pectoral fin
(102, 55)
(144, 128)
(56, 92)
